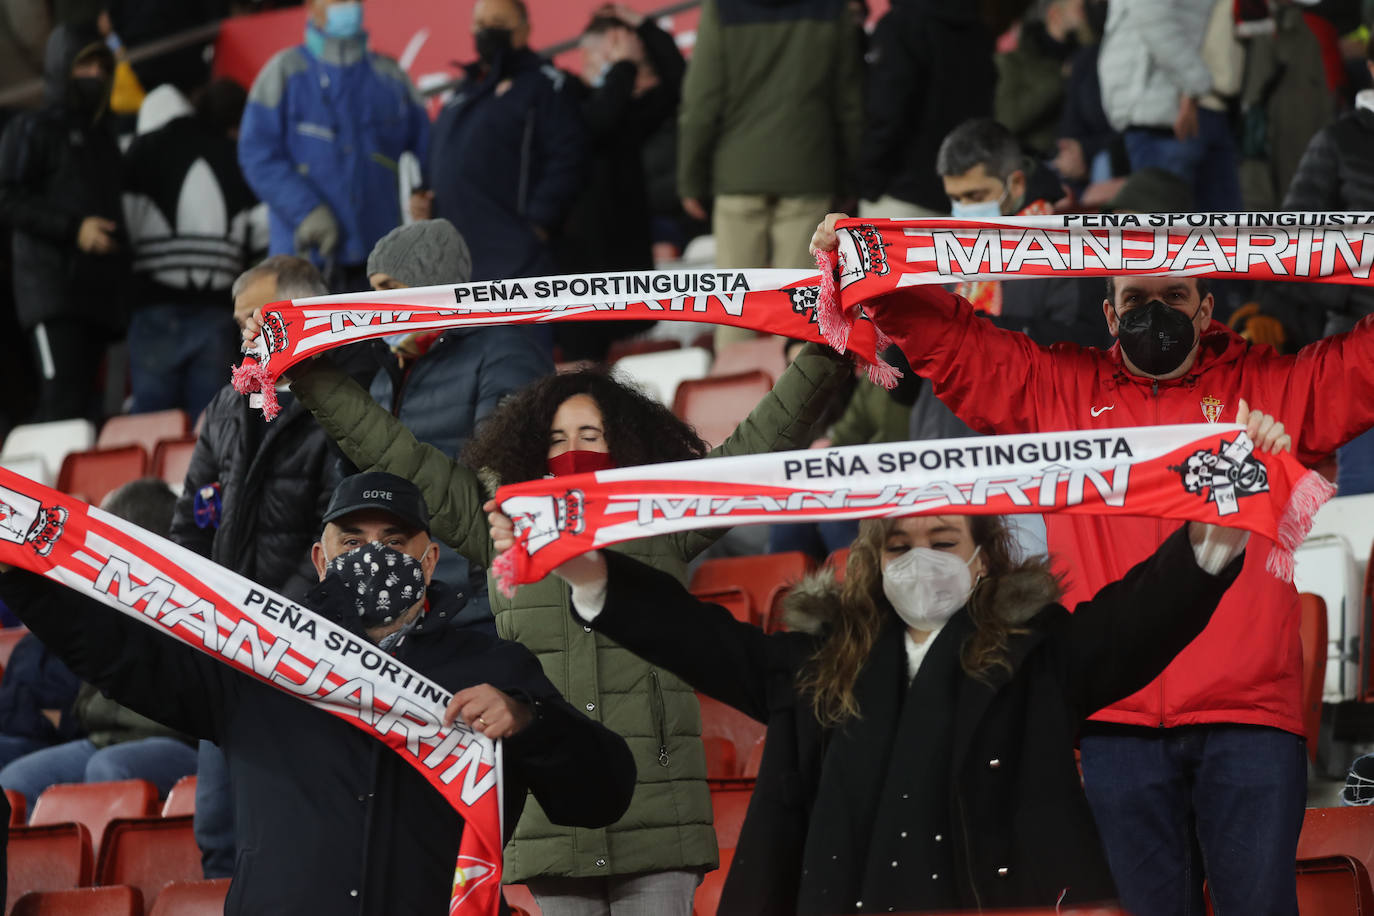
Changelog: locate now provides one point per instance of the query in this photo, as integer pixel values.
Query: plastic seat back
(117, 900)
(637, 346)
(520, 900)
(149, 853)
(1338, 832)
(734, 600)
(838, 563)
(721, 759)
(753, 761)
(171, 460)
(93, 474)
(94, 805)
(1312, 628)
(707, 899)
(182, 799)
(659, 374)
(145, 429)
(9, 638)
(47, 858)
(55, 439)
(763, 354)
(192, 898)
(728, 807)
(19, 808)
(765, 577)
(721, 721)
(1334, 886)
(715, 406)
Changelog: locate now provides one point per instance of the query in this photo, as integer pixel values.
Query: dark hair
(979, 141)
(829, 676)
(220, 104)
(513, 441)
(147, 502)
(1202, 288)
(601, 24)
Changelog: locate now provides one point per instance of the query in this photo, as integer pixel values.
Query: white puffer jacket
(1152, 56)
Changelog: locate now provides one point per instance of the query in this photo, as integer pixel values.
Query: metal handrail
(31, 91)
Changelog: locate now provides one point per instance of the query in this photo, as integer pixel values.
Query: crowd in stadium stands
(930, 714)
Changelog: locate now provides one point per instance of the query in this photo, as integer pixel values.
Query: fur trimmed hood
(814, 601)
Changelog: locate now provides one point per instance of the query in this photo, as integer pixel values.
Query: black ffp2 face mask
(1157, 338)
(493, 45)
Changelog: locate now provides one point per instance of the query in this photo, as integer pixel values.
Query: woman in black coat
(922, 715)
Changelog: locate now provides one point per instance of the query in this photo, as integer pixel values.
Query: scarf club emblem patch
(25, 520)
(274, 332)
(1212, 408)
(804, 299)
(1225, 475)
(541, 520)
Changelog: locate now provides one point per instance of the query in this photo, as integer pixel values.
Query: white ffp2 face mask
(927, 586)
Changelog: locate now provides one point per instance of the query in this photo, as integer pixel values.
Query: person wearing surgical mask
(922, 711)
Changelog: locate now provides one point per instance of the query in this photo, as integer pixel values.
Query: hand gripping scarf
(777, 301)
(272, 640)
(1204, 472)
(877, 256)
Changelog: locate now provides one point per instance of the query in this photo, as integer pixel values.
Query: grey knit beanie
(426, 253)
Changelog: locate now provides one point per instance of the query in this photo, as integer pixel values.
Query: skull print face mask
(382, 582)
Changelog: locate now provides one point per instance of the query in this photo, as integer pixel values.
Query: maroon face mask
(579, 461)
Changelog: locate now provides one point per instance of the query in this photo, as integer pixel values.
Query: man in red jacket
(1204, 770)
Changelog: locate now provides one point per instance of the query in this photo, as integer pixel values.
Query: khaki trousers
(761, 230)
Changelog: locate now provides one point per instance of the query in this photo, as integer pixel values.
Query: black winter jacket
(275, 480)
(931, 69)
(1020, 829)
(328, 819)
(446, 393)
(56, 169)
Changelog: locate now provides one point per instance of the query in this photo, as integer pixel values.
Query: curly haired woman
(921, 715)
(650, 861)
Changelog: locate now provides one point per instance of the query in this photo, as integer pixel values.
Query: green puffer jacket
(668, 825)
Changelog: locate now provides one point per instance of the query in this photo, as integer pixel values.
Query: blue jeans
(1207, 160)
(214, 825)
(1221, 802)
(161, 761)
(179, 356)
(1355, 466)
(12, 747)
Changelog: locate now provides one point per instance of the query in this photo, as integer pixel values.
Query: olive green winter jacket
(668, 825)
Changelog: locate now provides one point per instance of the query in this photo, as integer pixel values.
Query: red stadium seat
(171, 459)
(48, 858)
(19, 808)
(521, 901)
(839, 562)
(117, 900)
(721, 721)
(1312, 628)
(192, 898)
(636, 346)
(762, 354)
(182, 799)
(1367, 633)
(707, 899)
(728, 807)
(1338, 832)
(714, 406)
(734, 600)
(94, 805)
(149, 853)
(765, 577)
(721, 760)
(9, 638)
(752, 762)
(145, 429)
(94, 474)
(1334, 886)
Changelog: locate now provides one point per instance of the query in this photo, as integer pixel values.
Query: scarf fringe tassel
(834, 323)
(1309, 494)
(252, 378)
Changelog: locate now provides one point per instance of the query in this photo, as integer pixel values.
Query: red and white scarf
(272, 640)
(877, 256)
(1204, 472)
(777, 301)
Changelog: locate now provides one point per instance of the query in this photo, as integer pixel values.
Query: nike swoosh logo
(1099, 411)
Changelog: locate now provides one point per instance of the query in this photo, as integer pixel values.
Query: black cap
(379, 490)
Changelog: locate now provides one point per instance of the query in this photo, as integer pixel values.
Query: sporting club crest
(1226, 474)
(1212, 408)
(863, 253)
(25, 520)
(543, 519)
(274, 332)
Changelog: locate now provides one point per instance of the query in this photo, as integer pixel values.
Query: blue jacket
(505, 164)
(330, 129)
(447, 392)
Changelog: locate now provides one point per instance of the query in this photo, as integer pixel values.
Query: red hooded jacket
(1246, 666)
